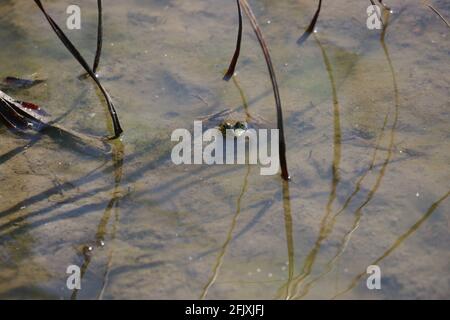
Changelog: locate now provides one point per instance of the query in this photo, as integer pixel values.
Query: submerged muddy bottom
(367, 129)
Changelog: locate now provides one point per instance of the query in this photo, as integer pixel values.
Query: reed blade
(237, 51)
(98, 52)
(311, 26)
(439, 14)
(68, 44)
(282, 143)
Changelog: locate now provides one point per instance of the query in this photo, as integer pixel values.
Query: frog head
(237, 127)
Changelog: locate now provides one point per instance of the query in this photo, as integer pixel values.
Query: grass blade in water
(233, 63)
(68, 44)
(439, 14)
(98, 52)
(282, 143)
(311, 27)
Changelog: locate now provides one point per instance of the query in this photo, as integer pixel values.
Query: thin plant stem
(281, 139)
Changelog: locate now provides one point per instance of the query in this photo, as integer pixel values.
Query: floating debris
(10, 83)
(23, 116)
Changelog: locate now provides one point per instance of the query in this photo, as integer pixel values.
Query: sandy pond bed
(368, 152)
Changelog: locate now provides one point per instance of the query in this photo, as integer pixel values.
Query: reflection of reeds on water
(286, 291)
(396, 243)
(221, 255)
(324, 229)
(102, 228)
(373, 190)
(289, 239)
(244, 100)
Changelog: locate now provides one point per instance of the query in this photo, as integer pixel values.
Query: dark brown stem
(99, 37)
(311, 27)
(68, 44)
(234, 61)
(282, 144)
(439, 14)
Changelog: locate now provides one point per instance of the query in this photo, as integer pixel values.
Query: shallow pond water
(367, 130)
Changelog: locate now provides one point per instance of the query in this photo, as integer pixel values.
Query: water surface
(367, 129)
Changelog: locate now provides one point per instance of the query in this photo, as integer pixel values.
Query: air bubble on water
(417, 194)
(258, 270)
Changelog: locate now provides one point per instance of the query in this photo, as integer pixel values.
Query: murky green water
(367, 127)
